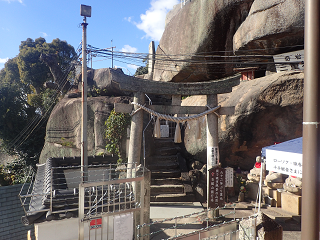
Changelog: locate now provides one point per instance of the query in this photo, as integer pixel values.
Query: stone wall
(11, 213)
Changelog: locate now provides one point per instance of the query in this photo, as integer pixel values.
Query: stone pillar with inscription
(212, 146)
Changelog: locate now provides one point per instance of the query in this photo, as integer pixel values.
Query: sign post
(216, 194)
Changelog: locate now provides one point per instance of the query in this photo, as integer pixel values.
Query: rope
(175, 119)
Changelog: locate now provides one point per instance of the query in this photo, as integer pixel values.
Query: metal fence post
(81, 212)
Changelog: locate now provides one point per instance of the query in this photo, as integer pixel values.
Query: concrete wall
(11, 212)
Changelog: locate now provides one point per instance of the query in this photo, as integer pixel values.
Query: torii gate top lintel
(133, 84)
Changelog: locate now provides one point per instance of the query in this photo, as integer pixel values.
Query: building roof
(55, 188)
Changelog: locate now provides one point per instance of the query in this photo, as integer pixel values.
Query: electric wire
(35, 122)
(165, 61)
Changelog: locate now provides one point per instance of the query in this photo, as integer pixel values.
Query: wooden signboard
(216, 187)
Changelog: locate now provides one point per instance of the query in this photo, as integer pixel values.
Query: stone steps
(164, 142)
(167, 151)
(164, 164)
(182, 197)
(166, 175)
(168, 188)
(169, 181)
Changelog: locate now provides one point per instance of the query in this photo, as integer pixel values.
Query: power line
(35, 122)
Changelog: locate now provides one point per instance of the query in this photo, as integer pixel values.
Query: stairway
(169, 175)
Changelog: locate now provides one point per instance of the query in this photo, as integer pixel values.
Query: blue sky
(130, 24)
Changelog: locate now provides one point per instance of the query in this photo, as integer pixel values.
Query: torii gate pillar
(212, 133)
(212, 145)
(135, 134)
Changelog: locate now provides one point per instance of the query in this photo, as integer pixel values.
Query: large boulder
(271, 27)
(63, 132)
(267, 110)
(224, 27)
(102, 80)
(199, 27)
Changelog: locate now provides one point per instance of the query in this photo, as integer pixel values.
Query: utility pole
(311, 123)
(112, 47)
(85, 11)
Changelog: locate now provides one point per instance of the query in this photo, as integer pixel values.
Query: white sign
(229, 177)
(294, 60)
(123, 227)
(212, 157)
(164, 130)
(289, 163)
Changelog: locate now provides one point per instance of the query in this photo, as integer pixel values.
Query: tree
(141, 70)
(25, 104)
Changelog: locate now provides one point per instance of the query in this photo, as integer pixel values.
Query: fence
(197, 226)
(121, 199)
(56, 194)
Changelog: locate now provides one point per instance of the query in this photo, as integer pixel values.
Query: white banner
(284, 162)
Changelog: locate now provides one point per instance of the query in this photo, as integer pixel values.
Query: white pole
(260, 184)
(84, 143)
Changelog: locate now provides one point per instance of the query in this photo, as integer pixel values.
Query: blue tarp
(293, 146)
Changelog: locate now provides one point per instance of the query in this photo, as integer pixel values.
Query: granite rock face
(63, 132)
(204, 26)
(225, 28)
(271, 26)
(102, 79)
(267, 110)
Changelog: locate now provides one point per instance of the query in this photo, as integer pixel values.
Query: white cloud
(129, 19)
(132, 66)
(153, 21)
(44, 34)
(3, 60)
(128, 48)
(10, 1)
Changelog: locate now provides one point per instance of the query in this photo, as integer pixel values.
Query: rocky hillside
(267, 110)
(222, 27)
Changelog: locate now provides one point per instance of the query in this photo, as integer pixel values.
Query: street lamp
(85, 11)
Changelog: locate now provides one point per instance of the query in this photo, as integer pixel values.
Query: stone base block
(273, 185)
(291, 203)
(273, 196)
(253, 189)
(270, 201)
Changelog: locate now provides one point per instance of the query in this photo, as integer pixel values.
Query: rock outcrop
(101, 80)
(200, 27)
(63, 132)
(222, 27)
(271, 27)
(267, 110)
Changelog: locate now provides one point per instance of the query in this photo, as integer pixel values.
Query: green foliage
(141, 70)
(95, 92)
(13, 173)
(24, 102)
(116, 124)
(66, 143)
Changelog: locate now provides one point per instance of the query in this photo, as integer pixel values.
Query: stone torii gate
(140, 87)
